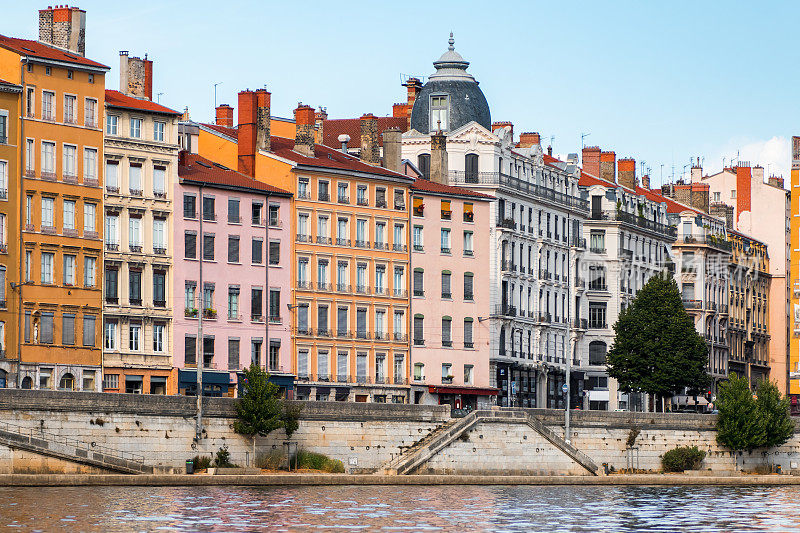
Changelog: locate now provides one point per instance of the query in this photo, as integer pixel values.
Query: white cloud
(773, 154)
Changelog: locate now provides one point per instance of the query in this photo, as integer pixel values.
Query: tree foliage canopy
(656, 347)
(745, 422)
(260, 410)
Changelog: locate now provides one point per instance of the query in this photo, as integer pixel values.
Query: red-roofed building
(349, 313)
(50, 330)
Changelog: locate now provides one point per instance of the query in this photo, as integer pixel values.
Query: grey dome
(466, 100)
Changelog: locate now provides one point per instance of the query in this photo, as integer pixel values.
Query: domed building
(451, 98)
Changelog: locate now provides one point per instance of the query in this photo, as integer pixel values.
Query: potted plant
(190, 312)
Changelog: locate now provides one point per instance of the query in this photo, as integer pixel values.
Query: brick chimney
(319, 121)
(700, 196)
(64, 27)
(263, 124)
(626, 172)
(697, 171)
(370, 152)
(414, 86)
(304, 135)
(400, 110)
(224, 116)
(135, 76)
(646, 182)
(608, 166)
(725, 211)
(439, 158)
(528, 139)
(391, 149)
(591, 160)
(775, 181)
(248, 111)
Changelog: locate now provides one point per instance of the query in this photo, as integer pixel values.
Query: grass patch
(274, 460)
(317, 461)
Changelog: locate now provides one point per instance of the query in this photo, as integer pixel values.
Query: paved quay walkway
(165, 480)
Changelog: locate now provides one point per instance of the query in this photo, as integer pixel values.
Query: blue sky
(658, 81)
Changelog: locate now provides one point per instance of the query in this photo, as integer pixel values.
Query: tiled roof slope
(195, 168)
(331, 129)
(433, 187)
(25, 47)
(117, 99)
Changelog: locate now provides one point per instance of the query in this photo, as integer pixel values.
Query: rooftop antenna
(661, 179)
(215, 93)
(158, 98)
(583, 136)
(552, 140)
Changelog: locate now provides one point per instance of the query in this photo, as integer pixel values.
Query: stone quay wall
(363, 436)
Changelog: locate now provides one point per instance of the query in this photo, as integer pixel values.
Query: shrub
(682, 458)
(201, 462)
(274, 460)
(316, 461)
(223, 458)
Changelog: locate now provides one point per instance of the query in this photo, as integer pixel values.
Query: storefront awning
(189, 377)
(475, 391)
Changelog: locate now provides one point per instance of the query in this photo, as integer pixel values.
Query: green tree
(656, 348)
(740, 423)
(774, 409)
(260, 410)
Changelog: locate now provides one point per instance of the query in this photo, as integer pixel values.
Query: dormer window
(439, 113)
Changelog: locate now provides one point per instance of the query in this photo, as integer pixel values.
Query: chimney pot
(304, 132)
(224, 116)
(370, 151)
(626, 171)
(608, 166)
(343, 140)
(528, 139)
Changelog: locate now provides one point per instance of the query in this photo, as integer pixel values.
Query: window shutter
(208, 247)
(274, 304)
(467, 331)
(257, 251)
(418, 321)
(302, 318)
(361, 321)
(68, 330)
(88, 331)
(341, 320)
(322, 317)
(418, 280)
(468, 286)
(341, 367)
(190, 350)
(233, 354)
(47, 328)
(255, 303)
(233, 249)
(274, 252)
(190, 244)
(302, 362)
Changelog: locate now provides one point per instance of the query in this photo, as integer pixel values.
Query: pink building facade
(450, 296)
(241, 303)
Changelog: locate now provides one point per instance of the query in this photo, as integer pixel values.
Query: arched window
(67, 382)
(424, 165)
(471, 168)
(597, 353)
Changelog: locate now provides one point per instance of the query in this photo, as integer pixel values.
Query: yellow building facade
(794, 269)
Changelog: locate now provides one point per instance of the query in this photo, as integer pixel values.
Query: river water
(401, 508)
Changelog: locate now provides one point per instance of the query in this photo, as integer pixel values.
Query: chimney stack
(528, 139)
(135, 76)
(775, 181)
(608, 166)
(697, 172)
(248, 109)
(700, 196)
(224, 116)
(64, 27)
(263, 125)
(627, 173)
(758, 174)
(370, 152)
(503, 124)
(646, 182)
(591, 160)
(304, 136)
(439, 158)
(400, 110)
(414, 86)
(319, 121)
(391, 149)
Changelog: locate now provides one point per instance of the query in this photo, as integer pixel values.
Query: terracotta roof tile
(331, 129)
(40, 50)
(230, 132)
(433, 187)
(195, 168)
(118, 99)
(587, 180)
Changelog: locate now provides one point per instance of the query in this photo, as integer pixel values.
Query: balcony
(112, 300)
(361, 243)
(469, 216)
(344, 334)
(624, 253)
(159, 303)
(3, 248)
(362, 334)
(323, 240)
(274, 223)
(364, 202)
(399, 206)
(304, 285)
(70, 178)
(445, 250)
(544, 318)
(210, 313)
(635, 220)
(447, 343)
(544, 275)
(399, 337)
(399, 247)
(362, 289)
(159, 194)
(597, 250)
(380, 245)
(507, 223)
(469, 253)
(594, 324)
(446, 214)
(419, 248)
(692, 304)
(257, 318)
(323, 286)
(340, 241)
(48, 176)
(138, 193)
(578, 242)
(447, 295)
(112, 246)
(419, 293)
(469, 345)
(112, 189)
(419, 342)
(302, 238)
(135, 248)
(324, 332)
(190, 312)
(136, 302)
(342, 199)
(91, 182)
(580, 323)
(400, 293)
(342, 287)
(159, 250)
(303, 195)
(517, 184)
(324, 197)
(711, 240)
(469, 297)
(505, 310)
(598, 286)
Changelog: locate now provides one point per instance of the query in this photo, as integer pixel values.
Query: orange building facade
(58, 145)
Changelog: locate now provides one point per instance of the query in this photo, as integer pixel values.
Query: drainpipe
(22, 147)
(200, 355)
(570, 347)
(266, 284)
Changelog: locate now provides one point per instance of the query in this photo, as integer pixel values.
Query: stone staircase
(418, 454)
(72, 450)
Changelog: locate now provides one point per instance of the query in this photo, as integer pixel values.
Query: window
(468, 342)
(190, 245)
(597, 315)
(597, 241)
(399, 200)
(468, 374)
(48, 107)
(89, 265)
(47, 328)
(399, 237)
(302, 272)
(30, 99)
(256, 298)
(68, 329)
(134, 337)
(275, 305)
(341, 321)
(233, 354)
(419, 372)
(233, 248)
(135, 179)
(380, 197)
(418, 330)
(417, 238)
(208, 297)
(471, 169)
(257, 207)
(89, 218)
(209, 211)
(399, 281)
(110, 335)
(28, 265)
(380, 279)
(233, 302)
(3, 127)
(302, 188)
(468, 243)
(361, 233)
(361, 367)
(30, 156)
(597, 353)
(159, 288)
(257, 245)
(361, 323)
(233, 211)
(69, 108)
(446, 211)
(90, 110)
(135, 234)
(88, 330)
(399, 374)
(190, 288)
(136, 128)
(447, 331)
(47, 267)
(70, 161)
(424, 165)
(342, 194)
(717, 196)
(159, 236)
(189, 206)
(48, 158)
(439, 113)
(89, 164)
(47, 213)
(361, 195)
(380, 234)
(135, 287)
(399, 325)
(111, 284)
(303, 233)
(302, 319)
(445, 241)
(469, 294)
(255, 351)
(190, 350)
(419, 282)
(112, 176)
(158, 130)
(159, 333)
(361, 277)
(323, 194)
(69, 270)
(597, 278)
(341, 276)
(208, 246)
(274, 252)
(342, 232)
(380, 323)
(112, 123)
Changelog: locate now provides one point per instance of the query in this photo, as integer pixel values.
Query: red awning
(444, 389)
